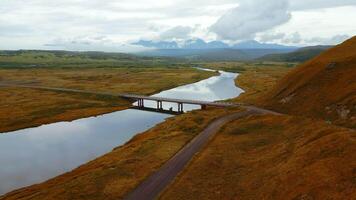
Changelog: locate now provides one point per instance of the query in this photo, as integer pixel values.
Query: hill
(300, 55)
(323, 87)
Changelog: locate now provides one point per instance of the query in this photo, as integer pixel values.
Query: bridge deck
(173, 100)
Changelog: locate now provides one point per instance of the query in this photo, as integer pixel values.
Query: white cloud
(95, 43)
(269, 37)
(250, 18)
(313, 4)
(33, 23)
(294, 38)
(178, 32)
(336, 39)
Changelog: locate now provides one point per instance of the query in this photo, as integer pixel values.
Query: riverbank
(118, 172)
(22, 108)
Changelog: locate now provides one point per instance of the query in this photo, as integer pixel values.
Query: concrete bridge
(140, 101)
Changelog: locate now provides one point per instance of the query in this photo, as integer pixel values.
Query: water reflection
(36, 154)
(212, 89)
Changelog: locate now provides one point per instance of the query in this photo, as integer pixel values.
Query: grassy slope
(22, 108)
(323, 87)
(272, 157)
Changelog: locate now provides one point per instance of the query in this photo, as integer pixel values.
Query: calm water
(34, 155)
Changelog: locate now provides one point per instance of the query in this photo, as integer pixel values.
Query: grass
(272, 157)
(322, 88)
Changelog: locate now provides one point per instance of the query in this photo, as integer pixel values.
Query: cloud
(88, 43)
(313, 4)
(293, 38)
(30, 24)
(178, 32)
(268, 37)
(336, 39)
(251, 17)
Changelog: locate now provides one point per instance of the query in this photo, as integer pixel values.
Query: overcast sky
(109, 25)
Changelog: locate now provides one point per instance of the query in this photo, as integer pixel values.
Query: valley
(291, 156)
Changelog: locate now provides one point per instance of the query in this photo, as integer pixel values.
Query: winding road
(158, 181)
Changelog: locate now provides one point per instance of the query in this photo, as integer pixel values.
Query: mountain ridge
(201, 44)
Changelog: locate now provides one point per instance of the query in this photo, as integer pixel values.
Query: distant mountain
(201, 44)
(300, 55)
(157, 45)
(198, 49)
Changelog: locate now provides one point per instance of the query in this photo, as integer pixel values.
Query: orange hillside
(323, 87)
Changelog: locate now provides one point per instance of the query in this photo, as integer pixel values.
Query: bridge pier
(140, 103)
(203, 107)
(159, 105)
(180, 107)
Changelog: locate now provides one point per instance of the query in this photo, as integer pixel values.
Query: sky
(112, 25)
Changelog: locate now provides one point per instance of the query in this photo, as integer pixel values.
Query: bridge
(140, 101)
(133, 97)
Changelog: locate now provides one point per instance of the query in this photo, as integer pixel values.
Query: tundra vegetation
(298, 155)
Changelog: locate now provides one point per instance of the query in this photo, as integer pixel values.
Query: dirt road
(158, 181)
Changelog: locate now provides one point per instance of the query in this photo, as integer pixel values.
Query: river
(33, 155)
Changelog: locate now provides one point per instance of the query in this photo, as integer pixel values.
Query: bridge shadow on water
(170, 112)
